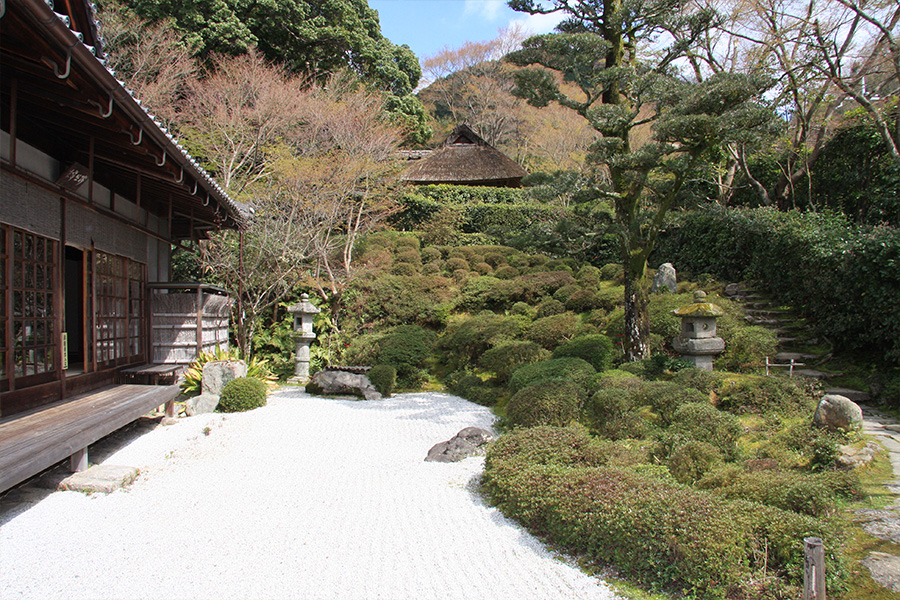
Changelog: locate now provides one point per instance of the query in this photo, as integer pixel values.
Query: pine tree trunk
(637, 320)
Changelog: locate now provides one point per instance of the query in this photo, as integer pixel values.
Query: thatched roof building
(465, 159)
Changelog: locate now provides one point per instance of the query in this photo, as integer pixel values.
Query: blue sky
(427, 26)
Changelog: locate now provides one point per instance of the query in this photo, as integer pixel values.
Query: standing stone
(217, 373)
(665, 278)
(838, 412)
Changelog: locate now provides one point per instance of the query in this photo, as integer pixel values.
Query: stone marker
(464, 444)
(99, 479)
(217, 373)
(342, 383)
(838, 412)
(665, 278)
(885, 569)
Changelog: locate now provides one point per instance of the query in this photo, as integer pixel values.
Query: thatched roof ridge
(465, 158)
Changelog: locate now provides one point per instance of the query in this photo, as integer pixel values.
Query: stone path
(884, 524)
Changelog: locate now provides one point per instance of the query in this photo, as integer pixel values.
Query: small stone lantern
(698, 342)
(303, 334)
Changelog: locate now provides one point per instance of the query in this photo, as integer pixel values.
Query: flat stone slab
(884, 529)
(795, 356)
(102, 479)
(885, 569)
(855, 395)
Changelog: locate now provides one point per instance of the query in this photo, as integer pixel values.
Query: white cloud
(538, 24)
(487, 9)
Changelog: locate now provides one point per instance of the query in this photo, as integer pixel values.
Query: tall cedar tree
(654, 126)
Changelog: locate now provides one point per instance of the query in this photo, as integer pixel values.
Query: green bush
(811, 494)
(612, 272)
(455, 263)
(575, 369)
(597, 350)
(463, 342)
(410, 256)
(700, 421)
(552, 331)
(406, 348)
(665, 398)
(766, 395)
(549, 307)
(691, 460)
(611, 413)
(473, 388)
(547, 402)
(242, 393)
(506, 272)
(430, 254)
(404, 269)
(553, 481)
(521, 308)
(583, 301)
(747, 348)
(563, 293)
(384, 378)
(502, 360)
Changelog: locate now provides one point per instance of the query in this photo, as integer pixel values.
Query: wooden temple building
(463, 159)
(94, 194)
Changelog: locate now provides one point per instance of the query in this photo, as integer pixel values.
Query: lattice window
(29, 299)
(119, 332)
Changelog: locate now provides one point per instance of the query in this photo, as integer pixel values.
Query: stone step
(769, 312)
(855, 395)
(815, 374)
(763, 321)
(796, 356)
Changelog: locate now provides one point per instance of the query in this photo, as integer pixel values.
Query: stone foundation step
(770, 312)
(763, 321)
(815, 374)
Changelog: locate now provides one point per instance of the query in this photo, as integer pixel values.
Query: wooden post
(814, 572)
(79, 461)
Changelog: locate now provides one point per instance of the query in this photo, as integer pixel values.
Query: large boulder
(202, 404)
(838, 412)
(464, 444)
(342, 383)
(665, 278)
(217, 373)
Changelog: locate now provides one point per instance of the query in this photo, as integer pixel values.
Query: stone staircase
(795, 341)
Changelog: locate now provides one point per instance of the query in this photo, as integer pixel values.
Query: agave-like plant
(256, 368)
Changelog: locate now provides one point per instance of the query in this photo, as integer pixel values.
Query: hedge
(841, 278)
(555, 481)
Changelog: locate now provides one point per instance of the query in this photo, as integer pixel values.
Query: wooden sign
(73, 177)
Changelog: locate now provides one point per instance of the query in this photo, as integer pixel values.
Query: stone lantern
(303, 334)
(698, 342)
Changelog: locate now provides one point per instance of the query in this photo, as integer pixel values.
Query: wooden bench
(151, 374)
(35, 440)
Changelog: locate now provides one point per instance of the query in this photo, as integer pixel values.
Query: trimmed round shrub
(565, 292)
(521, 308)
(597, 350)
(406, 348)
(549, 307)
(495, 259)
(575, 369)
(384, 378)
(432, 268)
(409, 256)
(582, 301)
(665, 398)
(609, 299)
(506, 272)
(407, 242)
(473, 388)
(504, 359)
(430, 254)
(612, 272)
(552, 331)
(693, 459)
(242, 393)
(611, 413)
(752, 394)
(547, 402)
(483, 268)
(404, 269)
(455, 263)
(747, 348)
(704, 422)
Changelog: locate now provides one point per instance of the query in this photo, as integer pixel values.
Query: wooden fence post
(814, 572)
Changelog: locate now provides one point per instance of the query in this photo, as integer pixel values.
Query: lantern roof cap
(699, 308)
(304, 307)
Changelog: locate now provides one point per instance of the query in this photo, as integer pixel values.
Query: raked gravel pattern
(306, 498)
